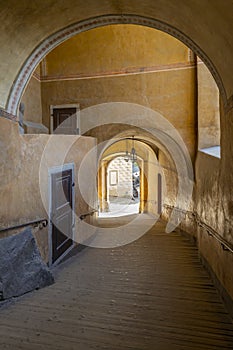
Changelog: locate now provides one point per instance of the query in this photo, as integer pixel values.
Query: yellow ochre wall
(26, 24)
(32, 99)
(208, 108)
(124, 63)
(112, 49)
(24, 177)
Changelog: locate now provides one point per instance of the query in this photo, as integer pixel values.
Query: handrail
(83, 216)
(40, 222)
(225, 245)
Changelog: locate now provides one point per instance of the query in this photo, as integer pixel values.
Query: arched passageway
(209, 216)
(130, 178)
(157, 101)
(123, 196)
(51, 42)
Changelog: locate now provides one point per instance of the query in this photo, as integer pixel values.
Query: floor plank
(150, 294)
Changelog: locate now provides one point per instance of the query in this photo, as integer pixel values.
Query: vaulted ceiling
(208, 25)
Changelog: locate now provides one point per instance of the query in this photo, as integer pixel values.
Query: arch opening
(208, 111)
(61, 36)
(127, 184)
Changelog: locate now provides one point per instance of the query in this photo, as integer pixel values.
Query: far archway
(123, 187)
(129, 186)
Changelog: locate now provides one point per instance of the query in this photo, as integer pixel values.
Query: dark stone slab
(21, 266)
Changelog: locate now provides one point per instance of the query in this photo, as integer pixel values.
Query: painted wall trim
(54, 40)
(120, 72)
(6, 115)
(36, 76)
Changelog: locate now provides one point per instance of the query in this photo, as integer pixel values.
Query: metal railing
(211, 232)
(83, 216)
(41, 223)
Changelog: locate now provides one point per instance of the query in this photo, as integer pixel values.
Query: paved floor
(152, 294)
(121, 207)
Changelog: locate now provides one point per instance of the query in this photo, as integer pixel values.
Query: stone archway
(54, 40)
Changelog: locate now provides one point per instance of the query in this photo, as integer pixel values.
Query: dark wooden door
(62, 213)
(65, 121)
(159, 194)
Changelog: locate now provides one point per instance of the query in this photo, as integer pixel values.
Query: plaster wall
(208, 109)
(170, 181)
(132, 64)
(32, 101)
(213, 198)
(170, 93)
(208, 197)
(114, 49)
(151, 169)
(27, 24)
(25, 160)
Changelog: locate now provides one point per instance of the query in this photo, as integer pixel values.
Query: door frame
(72, 105)
(54, 170)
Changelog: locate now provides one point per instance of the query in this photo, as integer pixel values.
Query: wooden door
(159, 194)
(65, 121)
(61, 212)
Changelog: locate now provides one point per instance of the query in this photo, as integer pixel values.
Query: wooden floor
(152, 294)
